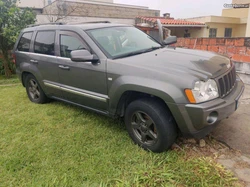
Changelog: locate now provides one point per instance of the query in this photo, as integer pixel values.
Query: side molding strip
(76, 92)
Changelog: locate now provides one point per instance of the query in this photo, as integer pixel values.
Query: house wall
(106, 1)
(238, 25)
(248, 25)
(33, 3)
(91, 9)
(76, 19)
(194, 32)
(217, 19)
(237, 48)
(235, 12)
(43, 3)
(238, 30)
(240, 1)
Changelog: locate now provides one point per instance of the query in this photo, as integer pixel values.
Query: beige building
(43, 3)
(76, 11)
(234, 22)
(33, 3)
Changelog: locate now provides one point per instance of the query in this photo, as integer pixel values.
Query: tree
(12, 21)
(59, 10)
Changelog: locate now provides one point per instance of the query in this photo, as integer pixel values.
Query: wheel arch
(24, 75)
(129, 96)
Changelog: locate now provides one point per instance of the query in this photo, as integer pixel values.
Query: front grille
(227, 82)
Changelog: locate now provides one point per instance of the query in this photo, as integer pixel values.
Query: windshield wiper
(152, 49)
(139, 52)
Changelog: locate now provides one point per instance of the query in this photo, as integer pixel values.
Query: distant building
(37, 4)
(72, 11)
(43, 3)
(175, 27)
(234, 22)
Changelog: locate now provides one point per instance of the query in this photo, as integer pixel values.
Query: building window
(212, 33)
(49, 2)
(228, 32)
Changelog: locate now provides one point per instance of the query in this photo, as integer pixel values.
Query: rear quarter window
(24, 42)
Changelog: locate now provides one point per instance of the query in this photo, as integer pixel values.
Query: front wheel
(34, 90)
(150, 124)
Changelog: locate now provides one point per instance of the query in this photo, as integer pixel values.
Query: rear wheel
(34, 90)
(150, 124)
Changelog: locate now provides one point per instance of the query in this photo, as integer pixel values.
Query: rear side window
(45, 43)
(24, 42)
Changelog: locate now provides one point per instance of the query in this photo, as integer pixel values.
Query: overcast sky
(182, 8)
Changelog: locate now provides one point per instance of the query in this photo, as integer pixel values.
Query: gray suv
(119, 71)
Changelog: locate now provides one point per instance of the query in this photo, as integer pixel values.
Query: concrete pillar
(248, 24)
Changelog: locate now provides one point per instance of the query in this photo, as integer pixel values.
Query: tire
(150, 125)
(34, 90)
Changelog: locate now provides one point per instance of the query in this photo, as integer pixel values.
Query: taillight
(14, 58)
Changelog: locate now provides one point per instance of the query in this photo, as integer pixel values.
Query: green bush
(12, 67)
(1, 67)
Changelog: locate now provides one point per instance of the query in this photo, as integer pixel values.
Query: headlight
(203, 91)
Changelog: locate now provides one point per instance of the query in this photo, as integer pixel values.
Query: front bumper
(197, 120)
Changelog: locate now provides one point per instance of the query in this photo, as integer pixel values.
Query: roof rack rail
(55, 23)
(89, 22)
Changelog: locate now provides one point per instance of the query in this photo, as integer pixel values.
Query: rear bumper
(197, 120)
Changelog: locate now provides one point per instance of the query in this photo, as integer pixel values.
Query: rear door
(82, 83)
(45, 62)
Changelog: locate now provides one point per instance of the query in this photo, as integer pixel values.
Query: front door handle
(34, 61)
(64, 67)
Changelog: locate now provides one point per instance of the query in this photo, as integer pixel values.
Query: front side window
(212, 33)
(45, 43)
(24, 43)
(118, 42)
(68, 44)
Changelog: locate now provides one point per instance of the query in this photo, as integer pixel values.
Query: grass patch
(61, 145)
(12, 80)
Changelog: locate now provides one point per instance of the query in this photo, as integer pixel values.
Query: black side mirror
(170, 40)
(83, 55)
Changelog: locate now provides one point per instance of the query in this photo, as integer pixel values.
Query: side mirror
(83, 55)
(170, 40)
(160, 31)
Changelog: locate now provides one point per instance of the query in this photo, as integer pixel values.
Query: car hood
(201, 64)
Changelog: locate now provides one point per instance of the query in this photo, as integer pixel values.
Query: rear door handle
(64, 67)
(34, 61)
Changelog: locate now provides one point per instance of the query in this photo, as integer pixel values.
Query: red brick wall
(237, 48)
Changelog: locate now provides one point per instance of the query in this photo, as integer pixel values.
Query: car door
(44, 60)
(82, 83)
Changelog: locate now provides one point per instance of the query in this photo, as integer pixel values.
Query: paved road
(235, 131)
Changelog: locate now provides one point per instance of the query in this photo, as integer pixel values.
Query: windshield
(118, 42)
